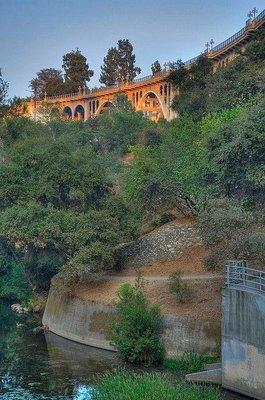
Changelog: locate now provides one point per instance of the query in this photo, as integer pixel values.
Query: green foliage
(156, 67)
(160, 219)
(168, 173)
(190, 362)
(76, 71)
(3, 89)
(135, 333)
(109, 69)
(203, 92)
(118, 129)
(231, 231)
(119, 64)
(120, 385)
(181, 290)
(49, 81)
(192, 85)
(237, 151)
(58, 212)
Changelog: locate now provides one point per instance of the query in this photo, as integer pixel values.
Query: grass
(188, 363)
(123, 385)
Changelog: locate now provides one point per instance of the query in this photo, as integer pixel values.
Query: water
(34, 366)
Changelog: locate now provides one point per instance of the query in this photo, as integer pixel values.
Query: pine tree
(3, 88)
(127, 69)
(156, 67)
(76, 70)
(109, 69)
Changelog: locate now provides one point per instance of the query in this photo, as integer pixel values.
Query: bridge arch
(79, 113)
(152, 105)
(105, 106)
(67, 111)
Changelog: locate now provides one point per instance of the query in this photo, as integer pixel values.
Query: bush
(190, 362)
(232, 231)
(120, 385)
(135, 333)
(181, 290)
(160, 219)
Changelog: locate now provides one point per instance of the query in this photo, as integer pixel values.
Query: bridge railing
(260, 16)
(240, 276)
(238, 34)
(223, 44)
(229, 40)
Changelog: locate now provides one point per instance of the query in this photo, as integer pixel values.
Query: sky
(35, 34)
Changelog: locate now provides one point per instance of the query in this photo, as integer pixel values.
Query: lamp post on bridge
(252, 13)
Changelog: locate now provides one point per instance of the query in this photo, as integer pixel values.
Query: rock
(19, 309)
(37, 309)
(19, 325)
(43, 328)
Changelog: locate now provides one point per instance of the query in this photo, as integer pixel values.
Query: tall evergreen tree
(76, 70)
(127, 69)
(110, 67)
(3, 88)
(156, 67)
(49, 81)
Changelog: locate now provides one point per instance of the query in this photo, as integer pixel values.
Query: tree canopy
(49, 81)
(76, 70)
(119, 64)
(156, 67)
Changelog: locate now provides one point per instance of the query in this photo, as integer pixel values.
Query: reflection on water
(38, 367)
(42, 367)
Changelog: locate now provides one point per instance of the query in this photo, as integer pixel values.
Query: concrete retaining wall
(88, 322)
(243, 342)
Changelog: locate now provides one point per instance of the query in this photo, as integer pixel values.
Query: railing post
(227, 273)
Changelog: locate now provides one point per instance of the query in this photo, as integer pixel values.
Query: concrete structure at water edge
(88, 322)
(243, 331)
(243, 334)
(153, 94)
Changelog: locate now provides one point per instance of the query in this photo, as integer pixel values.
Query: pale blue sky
(35, 34)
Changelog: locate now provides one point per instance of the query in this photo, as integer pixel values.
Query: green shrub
(120, 385)
(160, 219)
(190, 362)
(231, 230)
(181, 290)
(135, 333)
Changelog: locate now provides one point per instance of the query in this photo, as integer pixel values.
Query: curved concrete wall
(88, 322)
(243, 342)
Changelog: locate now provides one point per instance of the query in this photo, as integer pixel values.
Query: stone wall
(243, 342)
(88, 322)
(160, 245)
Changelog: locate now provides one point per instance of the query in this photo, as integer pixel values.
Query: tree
(126, 61)
(49, 81)
(3, 89)
(76, 70)
(110, 67)
(57, 208)
(18, 107)
(192, 83)
(135, 333)
(156, 67)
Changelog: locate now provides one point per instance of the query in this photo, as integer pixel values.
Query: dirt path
(205, 277)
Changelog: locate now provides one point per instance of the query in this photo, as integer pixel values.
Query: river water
(34, 366)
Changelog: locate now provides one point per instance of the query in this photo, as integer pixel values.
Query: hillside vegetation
(67, 199)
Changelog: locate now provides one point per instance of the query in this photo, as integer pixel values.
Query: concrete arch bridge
(153, 94)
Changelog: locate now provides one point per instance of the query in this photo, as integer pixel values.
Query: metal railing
(238, 34)
(240, 276)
